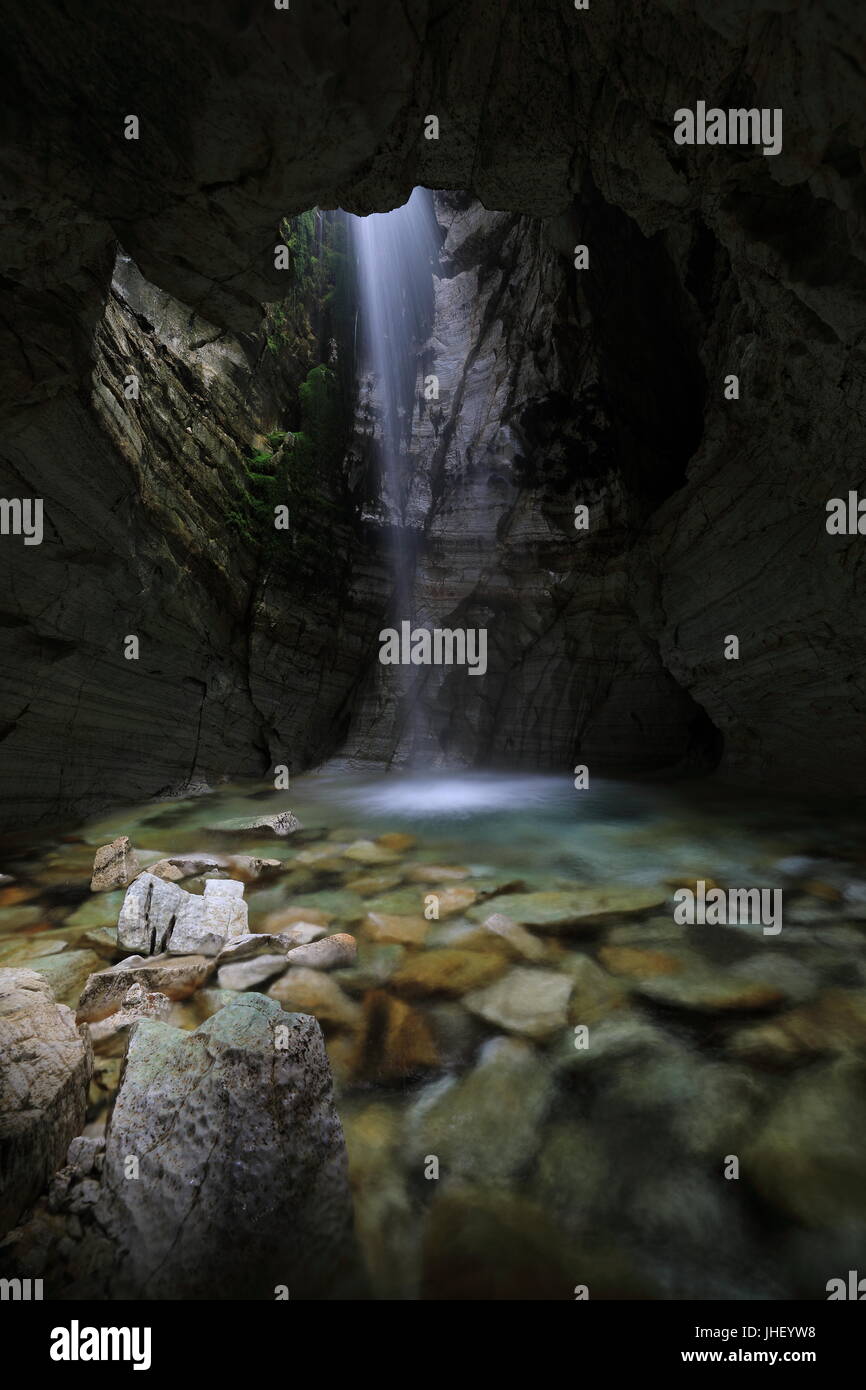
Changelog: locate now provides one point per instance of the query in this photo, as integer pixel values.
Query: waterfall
(395, 253)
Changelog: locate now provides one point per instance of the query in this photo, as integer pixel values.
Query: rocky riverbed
(544, 1081)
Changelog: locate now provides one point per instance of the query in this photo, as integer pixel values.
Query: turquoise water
(701, 1138)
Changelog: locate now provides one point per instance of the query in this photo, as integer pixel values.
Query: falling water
(396, 253)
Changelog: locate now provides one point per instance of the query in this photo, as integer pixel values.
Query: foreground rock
(243, 1174)
(136, 1003)
(114, 865)
(47, 1064)
(182, 866)
(158, 916)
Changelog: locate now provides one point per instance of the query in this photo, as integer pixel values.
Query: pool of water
(597, 1095)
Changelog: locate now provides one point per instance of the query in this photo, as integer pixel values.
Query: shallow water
(494, 1151)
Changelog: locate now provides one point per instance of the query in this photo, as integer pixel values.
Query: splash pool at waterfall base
(581, 1098)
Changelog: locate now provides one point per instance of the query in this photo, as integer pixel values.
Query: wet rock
(375, 964)
(454, 899)
(487, 1124)
(482, 1245)
(47, 1063)
(397, 840)
(369, 884)
(407, 931)
(436, 873)
(572, 1178)
(394, 1042)
(183, 866)
(175, 976)
(368, 852)
(21, 950)
(67, 973)
(99, 911)
(639, 963)
(249, 974)
(114, 865)
(807, 1158)
(243, 1182)
(518, 939)
(13, 919)
(621, 1038)
(595, 994)
(385, 1221)
(285, 823)
(529, 1001)
(312, 992)
(581, 907)
(250, 944)
(322, 908)
(835, 1022)
(761, 982)
(289, 917)
(451, 972)
(457, 1035)
(332, 953)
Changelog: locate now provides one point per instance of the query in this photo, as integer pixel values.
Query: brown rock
(395, 1040)
(406, 931)
(436, 873)
(313, 992)
(175, 976)
(397, 840)
(114, 865)
(335, 952)
(641, 964)
(290, 916)
(451, 972)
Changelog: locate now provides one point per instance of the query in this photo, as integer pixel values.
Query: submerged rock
(47, 1064)
(67, 973)
(285, 823)
(114, 865)
(313, 992)
(579, 907)
(242, 1181)
(394, 1041)
(758, 983)
(486, 1126)
(447, 971)
(247, 974)
(526, 1000)
(807, 1158)
(521, 942)
(386, 927)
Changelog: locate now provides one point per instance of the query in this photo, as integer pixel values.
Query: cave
(428, 528)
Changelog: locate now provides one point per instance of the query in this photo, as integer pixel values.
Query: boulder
(242, 1166)
(175, 976)
(47, 1064)
(158, 916)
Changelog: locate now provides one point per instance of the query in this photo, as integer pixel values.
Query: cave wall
(248, 114)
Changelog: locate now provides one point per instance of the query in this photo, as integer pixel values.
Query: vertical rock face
(46, 1069)
(242, 1175)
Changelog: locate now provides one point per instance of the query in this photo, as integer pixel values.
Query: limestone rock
(249, 974)
(311, 991)
(114, 865)
(47, 1063)
(175, 976)
(158, 916)
(243, 1175)
(136, 1003)
(335, 952)
(385, 927)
